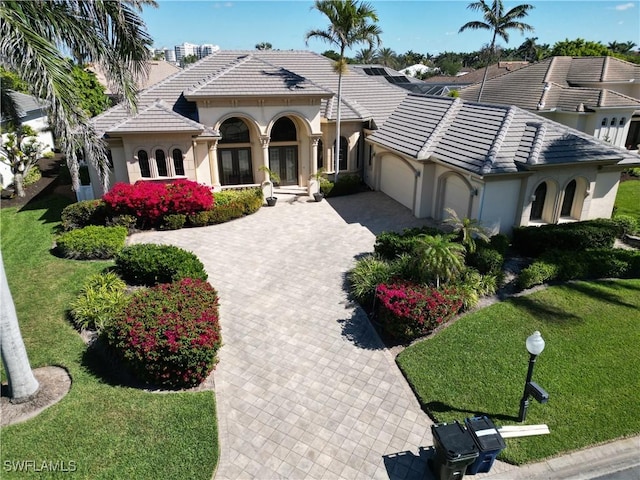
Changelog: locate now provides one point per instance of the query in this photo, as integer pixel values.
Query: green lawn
(589, 367)
(628, 198)
(109, 431)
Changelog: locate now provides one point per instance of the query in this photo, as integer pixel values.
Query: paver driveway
(304, 386)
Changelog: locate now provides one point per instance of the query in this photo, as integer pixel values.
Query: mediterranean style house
(596, 95)
(220, 120)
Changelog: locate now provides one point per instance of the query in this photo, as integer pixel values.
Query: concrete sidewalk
(305, 388)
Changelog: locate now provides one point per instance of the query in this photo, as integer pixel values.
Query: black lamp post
(535, 346)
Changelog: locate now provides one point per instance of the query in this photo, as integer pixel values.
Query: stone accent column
(213, 163)
(264, 141)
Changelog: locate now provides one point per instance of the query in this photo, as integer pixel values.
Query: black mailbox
(537, 392)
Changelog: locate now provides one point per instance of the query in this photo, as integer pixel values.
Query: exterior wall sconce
(533, 198)
(474, 192)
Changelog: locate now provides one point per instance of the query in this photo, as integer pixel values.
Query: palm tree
(386, 57)
(365, 56)
(468, 228)
(497, 22)
(529, 51)
(34, 37)
(348, 26)
(621, 47)
(22, 383)
(439, 256)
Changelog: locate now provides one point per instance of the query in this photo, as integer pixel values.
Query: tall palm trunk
(336, 155)
(22, 384)
(486, 67)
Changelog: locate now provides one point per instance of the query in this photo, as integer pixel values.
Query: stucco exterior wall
(499, 205)
(603, 194)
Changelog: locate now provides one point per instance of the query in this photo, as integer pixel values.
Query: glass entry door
(284, 161)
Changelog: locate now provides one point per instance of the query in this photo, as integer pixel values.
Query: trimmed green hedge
(577, 236)
(150, 264)
(391, 245)
(84, 213)
(92, 243)
(588, 264)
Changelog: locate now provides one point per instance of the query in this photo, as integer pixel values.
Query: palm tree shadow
(609, 297)
(546, 313)
(435, 407)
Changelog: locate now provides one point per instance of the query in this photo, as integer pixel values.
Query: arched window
(178, 161)
(161, 163)
(234, 161)
(604, 122)
(143, 162)
(284, 130)
(320, 155)
(234, 130)
(537, 206)
(569, 195)
(344, 146)
(613, 122)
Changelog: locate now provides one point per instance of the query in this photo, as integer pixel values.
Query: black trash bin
(455, 450)
(488, 440)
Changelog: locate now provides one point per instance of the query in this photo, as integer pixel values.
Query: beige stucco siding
(499, 203)
(397, 179)
(603, 196)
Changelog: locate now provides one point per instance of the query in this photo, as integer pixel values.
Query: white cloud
(624, 6)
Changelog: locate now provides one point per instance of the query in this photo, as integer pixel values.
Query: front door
(284, 161)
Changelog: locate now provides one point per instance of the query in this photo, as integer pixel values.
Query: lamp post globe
(535, 343)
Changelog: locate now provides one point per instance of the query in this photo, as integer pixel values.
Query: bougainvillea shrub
(169, 335)
(407, 311)
(151, 201)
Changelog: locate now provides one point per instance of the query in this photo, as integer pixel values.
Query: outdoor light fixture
(535, 346)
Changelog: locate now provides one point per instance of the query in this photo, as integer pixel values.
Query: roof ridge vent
(538, 139)
(498, 141)
(442, 126)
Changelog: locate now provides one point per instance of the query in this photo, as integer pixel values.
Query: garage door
(456, 196)
(397, 180)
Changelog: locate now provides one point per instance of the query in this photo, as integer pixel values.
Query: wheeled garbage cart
(455, 450)
(488, 440)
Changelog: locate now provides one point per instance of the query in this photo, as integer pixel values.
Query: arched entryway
(234, 153)
(284, 151)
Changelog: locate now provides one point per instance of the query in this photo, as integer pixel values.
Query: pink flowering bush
(407, 311)
(169, 334)
(151, 201)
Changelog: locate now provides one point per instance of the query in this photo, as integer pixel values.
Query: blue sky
(425, 26)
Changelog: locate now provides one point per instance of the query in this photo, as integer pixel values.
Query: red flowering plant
(169, 335)
(407, 310)
(151, 201)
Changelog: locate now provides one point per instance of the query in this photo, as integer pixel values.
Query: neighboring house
(33, 112)
(596, 95)
(218, 121)
(158, 70)
(443, 84)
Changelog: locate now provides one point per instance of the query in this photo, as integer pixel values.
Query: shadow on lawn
(614, 295)
(433, 408)
(547, 313)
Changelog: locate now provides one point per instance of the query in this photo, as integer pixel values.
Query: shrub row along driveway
(304, 386)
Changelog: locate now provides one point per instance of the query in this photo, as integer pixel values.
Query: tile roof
(476, 75)
(363, 99)
(157, 117)
(250, 75)
(554, 83)
(157, 70)
(487, 139)
(27, 103)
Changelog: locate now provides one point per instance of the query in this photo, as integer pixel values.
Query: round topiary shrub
(169, 335)
(92, 242)
(84, 213)
(150, 264)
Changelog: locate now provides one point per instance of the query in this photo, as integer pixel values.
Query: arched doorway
(234, 153)
(283, 151)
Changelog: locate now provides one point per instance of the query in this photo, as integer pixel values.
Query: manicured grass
(109, 431)
(628, 198)
(589, 367)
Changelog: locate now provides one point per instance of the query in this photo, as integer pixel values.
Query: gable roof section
(363, 98)
(249, 75)
(487, 139)
(156, 118)
(554, 84)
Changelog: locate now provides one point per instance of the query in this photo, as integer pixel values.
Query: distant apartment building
(170, 55)
(200, 51)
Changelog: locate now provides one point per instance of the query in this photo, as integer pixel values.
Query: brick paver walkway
(304, 387)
